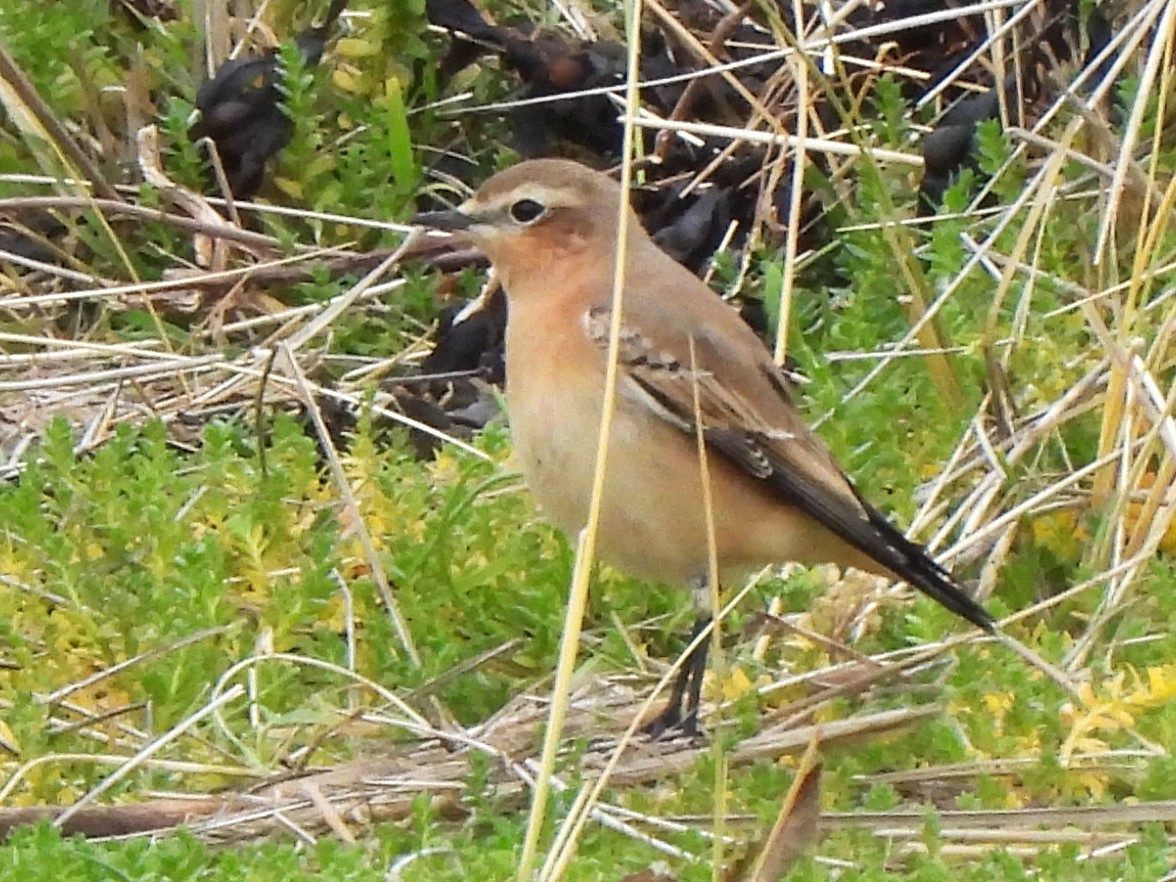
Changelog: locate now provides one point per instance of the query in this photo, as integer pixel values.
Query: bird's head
(537, 215)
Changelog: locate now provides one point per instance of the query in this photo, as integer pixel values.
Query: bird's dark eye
(526, 210)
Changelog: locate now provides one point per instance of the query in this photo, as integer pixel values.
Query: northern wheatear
(549, 228)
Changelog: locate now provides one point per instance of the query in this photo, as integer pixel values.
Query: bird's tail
(911, 563)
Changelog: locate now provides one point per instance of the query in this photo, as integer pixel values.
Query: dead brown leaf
(795, 830)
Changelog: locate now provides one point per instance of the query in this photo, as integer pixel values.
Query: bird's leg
(695, 668)
(688, 687)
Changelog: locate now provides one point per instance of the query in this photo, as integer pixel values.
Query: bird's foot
(670, 723)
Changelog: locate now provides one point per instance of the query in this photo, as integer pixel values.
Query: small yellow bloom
(736, 684)
(349, 80)
(353, 47)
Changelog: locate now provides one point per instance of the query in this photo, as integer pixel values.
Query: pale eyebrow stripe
(549, 196)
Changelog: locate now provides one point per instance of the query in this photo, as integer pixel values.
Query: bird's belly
(650, 526)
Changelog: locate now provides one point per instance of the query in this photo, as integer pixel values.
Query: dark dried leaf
(794, 832)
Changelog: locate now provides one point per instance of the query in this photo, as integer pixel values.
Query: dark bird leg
(687, 689)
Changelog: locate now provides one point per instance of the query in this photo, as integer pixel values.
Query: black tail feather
(910, 561)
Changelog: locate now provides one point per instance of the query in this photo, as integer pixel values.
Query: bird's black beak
(452, 220)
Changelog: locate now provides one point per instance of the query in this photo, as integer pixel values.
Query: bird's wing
(729, 388)
(678, 380)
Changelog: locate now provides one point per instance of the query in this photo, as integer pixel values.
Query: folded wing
(747, 416)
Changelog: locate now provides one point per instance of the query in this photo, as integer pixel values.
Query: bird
(688, 367)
